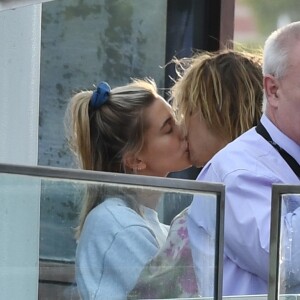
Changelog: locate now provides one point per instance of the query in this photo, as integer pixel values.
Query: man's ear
(133, 162)
(271, 86)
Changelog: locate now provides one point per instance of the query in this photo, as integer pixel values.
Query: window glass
(285, 242)
(174, 266)
(289, 250)
(84, 42)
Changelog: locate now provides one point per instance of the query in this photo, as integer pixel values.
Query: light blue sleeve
(247, 221)
(247, 218)
(202, 242)
(124, 259)
(201, 223)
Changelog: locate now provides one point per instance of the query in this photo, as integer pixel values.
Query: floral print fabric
(170, 274)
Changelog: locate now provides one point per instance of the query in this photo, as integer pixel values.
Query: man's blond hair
(226, 87)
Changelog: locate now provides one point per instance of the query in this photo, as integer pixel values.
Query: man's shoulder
(244, 153)
(249, 143)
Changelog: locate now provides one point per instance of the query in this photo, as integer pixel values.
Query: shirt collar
(281, 139)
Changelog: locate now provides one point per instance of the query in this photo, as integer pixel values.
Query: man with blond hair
(248, 166)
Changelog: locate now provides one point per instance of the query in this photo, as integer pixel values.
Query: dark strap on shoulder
(287, 157)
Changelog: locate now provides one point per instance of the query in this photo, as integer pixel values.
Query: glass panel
(289, 282)
(59, 213)
(19, 236)
(85, 42)
(169, 275)
(285, 242)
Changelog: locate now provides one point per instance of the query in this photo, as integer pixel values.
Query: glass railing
(285, 241)
(39, 209)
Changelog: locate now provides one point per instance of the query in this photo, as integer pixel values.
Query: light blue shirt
(248, 167)
(114, 246)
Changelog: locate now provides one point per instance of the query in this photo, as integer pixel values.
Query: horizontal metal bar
(117, 178)
(280, 188)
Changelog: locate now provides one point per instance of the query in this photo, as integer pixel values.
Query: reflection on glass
(60, 202)
(171, 273)
(85, 42)
(166, 256)
(289, 282)
(19, 236)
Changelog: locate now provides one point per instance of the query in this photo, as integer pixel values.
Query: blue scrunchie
(100, 95)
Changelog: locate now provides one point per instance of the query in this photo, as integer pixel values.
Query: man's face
(288, 114)
(203, 142)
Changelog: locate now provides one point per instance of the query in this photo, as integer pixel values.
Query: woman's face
(165, 148)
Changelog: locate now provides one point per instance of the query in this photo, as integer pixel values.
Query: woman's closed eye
(170, 130)
(169, 126)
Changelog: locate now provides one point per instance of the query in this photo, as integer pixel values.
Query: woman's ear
(133, 162)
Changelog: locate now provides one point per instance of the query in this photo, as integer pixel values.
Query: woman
(129, 129)
(222, 93)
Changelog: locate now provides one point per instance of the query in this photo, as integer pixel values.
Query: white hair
(277, 47)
